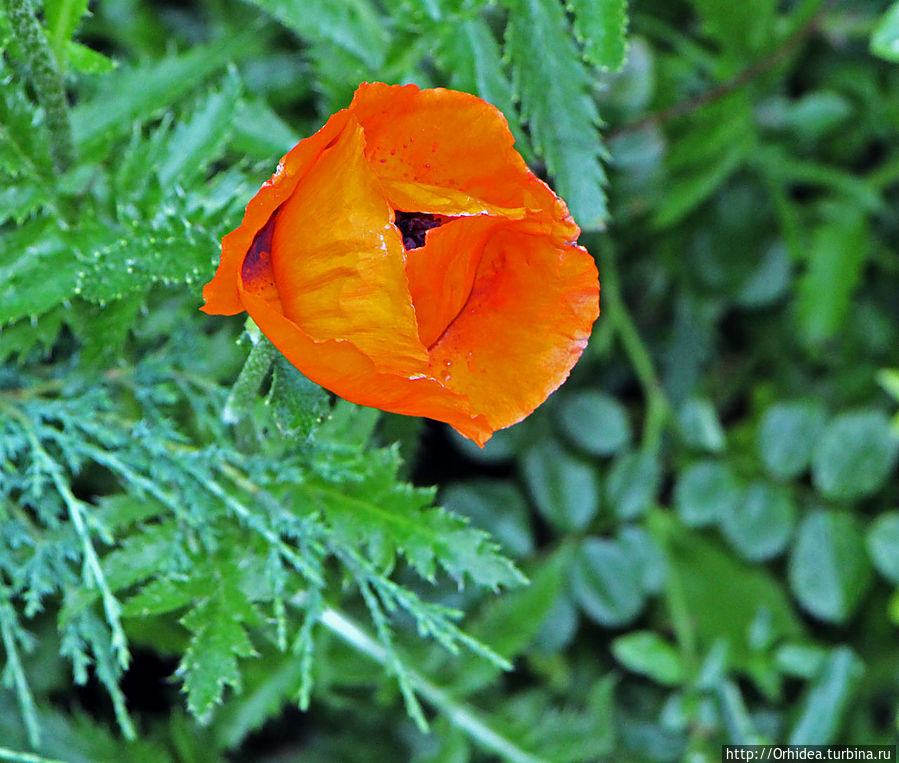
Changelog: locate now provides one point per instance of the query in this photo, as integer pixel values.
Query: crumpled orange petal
(452, 140)
(345, 262)
(527, 318)
(474, 321)
(221, 292)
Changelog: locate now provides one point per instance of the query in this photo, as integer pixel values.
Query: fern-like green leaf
(471, 56)
(557, 103)
(37, 271)
(197, 141)
(138, 93)
(218, 639)
(354, 26)
(601, 27)
(391, 518)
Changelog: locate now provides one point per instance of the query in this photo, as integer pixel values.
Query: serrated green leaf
(510, 623)
(211, 660)
(555, 95)
(354, 26)
(137, 93)
(392, 518)
(20, 201)
(268, 685)
(298, 405)
(601, 26)
(495, 506)
(607, 583)
(564, 488)
(787, 435)
(114, 264)
(25, 337)
(885, 37)
(471, 56)
(829, 569)
(159, 596)
(705, 492)
(595, 422)
(647, 653)
(86, 60)
(259, 132)
(197, 142)
(759, 526)
(62, 18)
(24, 143)
(37, 271)
(836, 257)
(855, 455)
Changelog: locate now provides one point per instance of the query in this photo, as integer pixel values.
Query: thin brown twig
(755, 70)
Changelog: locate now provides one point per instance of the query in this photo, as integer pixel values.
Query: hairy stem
(458, 713)
(616, 312)
(24, 757)
(257, 365)
(45, 78)
(14, 666)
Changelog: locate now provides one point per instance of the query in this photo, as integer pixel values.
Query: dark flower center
(414, 225)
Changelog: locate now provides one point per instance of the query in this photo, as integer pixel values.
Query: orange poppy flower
(405, 257)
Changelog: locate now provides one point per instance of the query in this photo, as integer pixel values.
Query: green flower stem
(23, 691)
(657, 407)
(259, 361)
(660, 527)
(24, 757)
(458, 713)
(45, 78)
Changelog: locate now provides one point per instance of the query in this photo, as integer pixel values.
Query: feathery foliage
(204, 556)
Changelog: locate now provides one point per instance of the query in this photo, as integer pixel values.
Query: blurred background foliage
(707, 512)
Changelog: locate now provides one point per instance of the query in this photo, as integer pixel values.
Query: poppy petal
(221, 293)
(432, 199)
(340, 367)
(442, 272)
(339, 262)
(453, 140)
(524, 326)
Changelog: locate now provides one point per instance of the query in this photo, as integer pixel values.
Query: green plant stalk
(24, 757)
(257, 365)
(458, 713)
(45, 78)
(23, 691)
(675, 596)
(616, 312)
(92, 570)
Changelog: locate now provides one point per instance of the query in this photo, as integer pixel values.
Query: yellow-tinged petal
(339, 262)
(453, 140)
(221, 293)
(422, 197)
